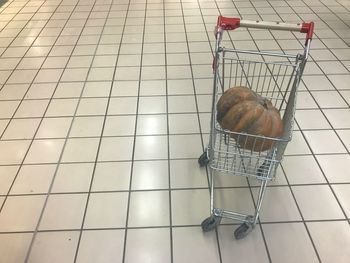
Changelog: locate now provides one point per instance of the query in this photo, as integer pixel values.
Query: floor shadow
(2, 2)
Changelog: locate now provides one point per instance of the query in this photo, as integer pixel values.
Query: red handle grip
(308, 28)
(227, 23)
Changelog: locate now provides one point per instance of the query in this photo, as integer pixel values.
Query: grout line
(250, 188)
(101, 134)
(135, 129)
(314, 155)
(167, 189)
(38, 69)
(166, 113)
(31, 141)
(60, 157)
(145, 160)
(123, 191)
(166, 227)
(168, 137)
(291, 189)
(151, 114)
(301, 216)
(208, 171)
(11, 20)
(307, 91)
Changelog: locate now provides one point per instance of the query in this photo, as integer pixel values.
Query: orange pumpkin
(241, 110)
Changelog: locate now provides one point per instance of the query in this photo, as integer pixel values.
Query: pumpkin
(241, 110)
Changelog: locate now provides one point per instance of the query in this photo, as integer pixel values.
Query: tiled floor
(105, 108)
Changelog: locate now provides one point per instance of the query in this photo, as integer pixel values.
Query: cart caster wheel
(203, 160)
(243, 230)
(210, 223)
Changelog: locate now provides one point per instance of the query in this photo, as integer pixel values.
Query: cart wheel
(210, 223)
(243, 230)
(203, 160)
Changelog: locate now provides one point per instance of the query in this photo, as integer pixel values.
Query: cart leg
(259, 201)
(244, 229)
(215, 218)
(211, 181)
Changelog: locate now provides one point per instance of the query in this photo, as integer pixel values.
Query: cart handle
(226, 23)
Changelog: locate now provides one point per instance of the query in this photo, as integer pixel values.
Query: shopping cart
(274, 76)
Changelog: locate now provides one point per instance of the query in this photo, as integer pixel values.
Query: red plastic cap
(308, 28)
(228, 23)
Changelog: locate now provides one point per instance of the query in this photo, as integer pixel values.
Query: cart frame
(270, 74)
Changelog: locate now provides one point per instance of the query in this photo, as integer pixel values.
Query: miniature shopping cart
(272, 75)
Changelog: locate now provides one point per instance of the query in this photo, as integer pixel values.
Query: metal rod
(260, 198)
(270, 25)
(259, 53)
(211, 191)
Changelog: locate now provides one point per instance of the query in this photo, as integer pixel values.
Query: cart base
(214, 220)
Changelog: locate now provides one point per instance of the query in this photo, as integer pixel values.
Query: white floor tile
(192, 245)
(62, 107)
(106, 210)
(97, 89)
(14, 246)
(335, 167)
(241, 250)
(151, 124)
(185, 174)
(13, 152)
(68, 90)
(49, 242)
(148, 245)
(302, 170)
(63, 64)
(21, 213)
(297, 145)
(73, 178)
(331, 240)
(324, 142)
(101, 246)
(80, 150)
(54, 128)
(21, 129)
(86, 126)
(116, 149)
(289, 243)
(151, 147)
(149, 208)
(92, 106)
(189, 207)
(150, 175)
(278, 205)
(7, 175)
(311, 119)
(13, 91)
(185, 146)
(112, 176)
(33, 179)
(317, 202)
(32, 108)
(63, 212)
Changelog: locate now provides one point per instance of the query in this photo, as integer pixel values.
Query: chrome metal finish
(272, 75)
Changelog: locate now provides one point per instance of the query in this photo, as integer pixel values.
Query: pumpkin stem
(264, 102)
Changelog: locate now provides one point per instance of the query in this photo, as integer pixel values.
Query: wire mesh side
(272, 80)
(232, 153)
(236, 153)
